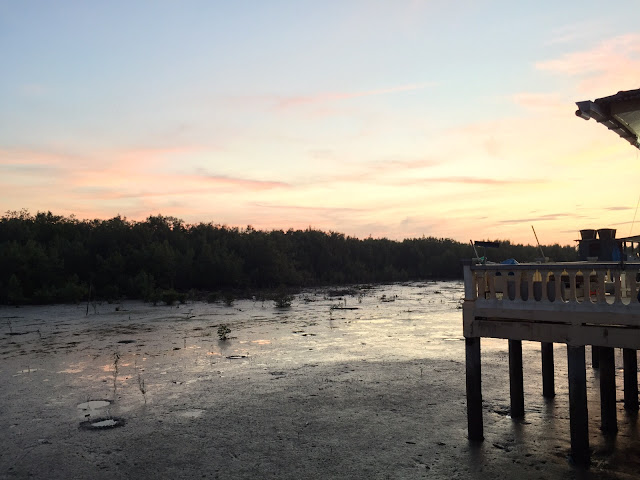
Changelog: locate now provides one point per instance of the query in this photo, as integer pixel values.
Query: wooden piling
(548, 381)
(516, 383)
(578, 413)
(474, 389)
(609, 423)
(630, 361)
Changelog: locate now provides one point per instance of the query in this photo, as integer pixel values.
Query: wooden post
(608, 390)
(595, 357)
(630, 360)
(578, 413)
(548, 382)
(516, 384)
(474, 389)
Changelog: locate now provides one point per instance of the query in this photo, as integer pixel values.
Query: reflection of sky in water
(180, 357)
(422, 321)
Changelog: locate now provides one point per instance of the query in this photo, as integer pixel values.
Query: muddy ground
(374, 389)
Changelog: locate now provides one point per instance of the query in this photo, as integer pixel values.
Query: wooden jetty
(579, 304)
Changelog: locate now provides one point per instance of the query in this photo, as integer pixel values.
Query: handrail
(537, 284)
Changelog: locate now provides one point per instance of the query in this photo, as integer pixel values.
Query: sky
(397, 119)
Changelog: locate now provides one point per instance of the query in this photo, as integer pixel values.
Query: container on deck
(588, 234)
(607, 233)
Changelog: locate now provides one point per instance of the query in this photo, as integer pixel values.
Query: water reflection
(184, 362)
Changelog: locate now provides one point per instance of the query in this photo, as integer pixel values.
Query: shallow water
(328, 374)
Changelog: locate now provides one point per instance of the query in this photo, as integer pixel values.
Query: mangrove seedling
(223, 332)
(142, 388)
(282, 300)
(229, 299)
(116, 359)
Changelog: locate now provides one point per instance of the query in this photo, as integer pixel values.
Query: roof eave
(588, 109)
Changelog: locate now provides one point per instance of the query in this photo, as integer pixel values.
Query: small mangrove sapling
(223, 332)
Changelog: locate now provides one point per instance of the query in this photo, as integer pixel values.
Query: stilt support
(608, 390)
(579, 415)
(548, 382)
(515, 379)
(630, 360)
(474, 390)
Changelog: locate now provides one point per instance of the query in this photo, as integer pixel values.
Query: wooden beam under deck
(599, 335)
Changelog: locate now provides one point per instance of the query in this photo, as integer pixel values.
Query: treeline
(46, 258)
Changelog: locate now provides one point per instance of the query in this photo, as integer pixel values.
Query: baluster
(524, 286)
(530, 279)
(587, 285)
(492, 285)
(600, 292)
(633, 287)
(544, 282)
(517, 278)
(618, 286)
(505, 285)
(573, 297)
(558, 276)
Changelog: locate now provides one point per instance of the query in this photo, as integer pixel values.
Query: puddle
(126, 341)
(102, 423)
(236, 357)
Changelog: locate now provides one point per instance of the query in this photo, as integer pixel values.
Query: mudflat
(361, 384)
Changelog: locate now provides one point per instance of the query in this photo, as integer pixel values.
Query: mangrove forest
(47, 258)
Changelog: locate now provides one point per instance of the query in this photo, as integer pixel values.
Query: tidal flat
(365, 384)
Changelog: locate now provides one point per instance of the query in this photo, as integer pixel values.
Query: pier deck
(578, 304)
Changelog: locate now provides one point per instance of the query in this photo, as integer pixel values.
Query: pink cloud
(542, 102)
(374, 171)
(322, 210)
(287, 102)
(612, 65)
(474, 181)
(244, 183)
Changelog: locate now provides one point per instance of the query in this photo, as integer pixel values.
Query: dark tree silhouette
(46, 258)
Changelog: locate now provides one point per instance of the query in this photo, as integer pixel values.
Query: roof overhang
(619, 113)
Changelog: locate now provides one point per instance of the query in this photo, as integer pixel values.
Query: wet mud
(347, 383)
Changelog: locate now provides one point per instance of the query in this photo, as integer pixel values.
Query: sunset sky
(392, 119)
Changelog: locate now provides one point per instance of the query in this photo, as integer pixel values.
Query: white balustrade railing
(584, 283)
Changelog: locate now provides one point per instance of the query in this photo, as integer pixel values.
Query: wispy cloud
(540, 218)
(295, 101)
(612, 64)
(541, 102)
(475, 181)
(31, 169)
(572, 33)
(303, 208)
(613, 209)
(245, 183)
(406, 164)
(610, 53)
